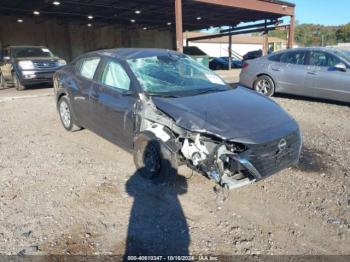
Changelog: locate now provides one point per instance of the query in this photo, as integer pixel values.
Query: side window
(319, 58)
(297, 58)
(88, 67)
(114, 75)
(275, 57)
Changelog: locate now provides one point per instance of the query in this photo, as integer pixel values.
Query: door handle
(276, 69)
(312, 73)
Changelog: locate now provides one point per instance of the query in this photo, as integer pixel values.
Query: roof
(197, 14)
(236, 39)
(131, 53)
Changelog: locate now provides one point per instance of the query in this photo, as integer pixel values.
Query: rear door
(113, 104)
(289, 71)
(85, 69)
(325, 80)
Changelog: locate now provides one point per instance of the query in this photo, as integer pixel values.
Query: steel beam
(255, 5)
(257, 30)
(179, 26)
(276, 22)
(291, 32)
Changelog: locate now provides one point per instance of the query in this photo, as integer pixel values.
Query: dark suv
(21, 66)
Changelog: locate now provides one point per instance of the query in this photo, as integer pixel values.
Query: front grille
(268, 159)
(43, 65)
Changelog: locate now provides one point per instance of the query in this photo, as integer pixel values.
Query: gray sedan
(313, 72)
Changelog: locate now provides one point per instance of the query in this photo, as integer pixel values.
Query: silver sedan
(313, 72)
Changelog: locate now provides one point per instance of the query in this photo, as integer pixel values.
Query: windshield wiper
(162, 95)
(206, 91)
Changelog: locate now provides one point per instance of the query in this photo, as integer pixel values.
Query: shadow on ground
(157, 222)
(311, 99)
(313, 160)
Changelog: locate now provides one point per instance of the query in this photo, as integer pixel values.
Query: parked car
(252, 55)
(313, 72)
(222, 63)
(170, 110)
(22, 66)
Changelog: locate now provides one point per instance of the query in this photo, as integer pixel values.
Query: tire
(264, 85)
(65, 113)
(153, 159)
(17, 83)
(3, 84)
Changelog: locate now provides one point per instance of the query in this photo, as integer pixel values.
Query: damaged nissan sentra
(170, 110)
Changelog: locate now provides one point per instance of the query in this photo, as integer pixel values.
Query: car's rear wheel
(65, 112)
(17, 83)
(264, 85)
(3, 84)
(153, 160)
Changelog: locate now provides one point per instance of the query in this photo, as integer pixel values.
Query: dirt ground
(75, 193)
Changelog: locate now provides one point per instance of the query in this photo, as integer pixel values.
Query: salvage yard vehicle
(312, 72)
(141, 98)
(21, 66)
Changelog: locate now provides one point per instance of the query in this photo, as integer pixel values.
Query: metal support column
(291, 32)
(230, 52)
(179, 26)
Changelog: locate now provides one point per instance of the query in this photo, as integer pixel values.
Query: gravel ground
(75, 193)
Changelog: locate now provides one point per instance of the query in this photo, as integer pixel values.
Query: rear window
(295, 57)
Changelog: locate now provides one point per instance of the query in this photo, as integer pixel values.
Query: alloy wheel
(65, 114)
(263, 86)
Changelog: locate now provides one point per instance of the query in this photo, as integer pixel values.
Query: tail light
(245, 65)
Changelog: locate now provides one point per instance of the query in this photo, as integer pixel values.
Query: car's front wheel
(153, 160)
(65, 112)
(264, 85)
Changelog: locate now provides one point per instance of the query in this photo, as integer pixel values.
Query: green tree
(343, 34)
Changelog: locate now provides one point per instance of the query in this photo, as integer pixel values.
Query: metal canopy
(160, 14)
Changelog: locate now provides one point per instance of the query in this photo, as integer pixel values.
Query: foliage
(315, 35)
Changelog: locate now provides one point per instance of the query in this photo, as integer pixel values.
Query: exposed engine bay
(225, 162)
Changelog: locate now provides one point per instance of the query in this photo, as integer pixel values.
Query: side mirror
(340, 67)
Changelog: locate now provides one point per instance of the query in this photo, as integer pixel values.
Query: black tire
(3, 84)
(65, 113)
(153, 159)
(17, 83)
(264, 85)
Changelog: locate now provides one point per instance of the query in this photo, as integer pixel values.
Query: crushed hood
(239, 114)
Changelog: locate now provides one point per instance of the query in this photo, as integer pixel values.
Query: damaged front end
(223, 162)
(229, 163)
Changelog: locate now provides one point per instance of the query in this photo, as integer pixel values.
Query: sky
(324, 12)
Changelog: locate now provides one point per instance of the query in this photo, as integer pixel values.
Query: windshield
(25, 52)
(175, 74)
(343, 54)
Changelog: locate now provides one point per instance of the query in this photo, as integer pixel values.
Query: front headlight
(26, 65)
(62, 62)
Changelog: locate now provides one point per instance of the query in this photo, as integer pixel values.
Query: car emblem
(282, 145)
(45, 64)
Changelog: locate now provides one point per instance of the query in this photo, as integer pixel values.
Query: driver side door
(327, 81)
(112, 104)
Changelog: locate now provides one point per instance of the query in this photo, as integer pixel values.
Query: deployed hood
(240, 114)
